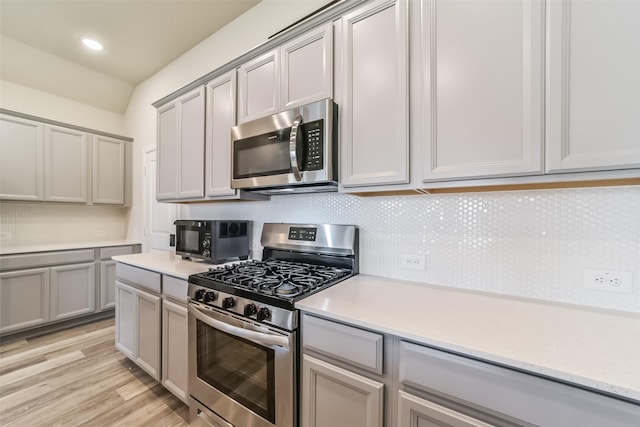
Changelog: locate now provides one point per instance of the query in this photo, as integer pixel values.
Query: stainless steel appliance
(213, 241)
(243, 325)
(290, 152)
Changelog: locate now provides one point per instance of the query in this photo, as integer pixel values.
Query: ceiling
(41, 45)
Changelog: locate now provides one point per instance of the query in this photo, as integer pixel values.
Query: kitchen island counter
(593, 348)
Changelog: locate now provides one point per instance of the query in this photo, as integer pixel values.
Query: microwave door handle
(255, 336)
(293, 148)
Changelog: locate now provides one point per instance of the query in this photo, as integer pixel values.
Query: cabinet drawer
(107, 253)
(175, 288)
(15, 262)
(139, 277)
(345, 343)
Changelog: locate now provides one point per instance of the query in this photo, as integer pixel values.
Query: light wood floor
(77, 377)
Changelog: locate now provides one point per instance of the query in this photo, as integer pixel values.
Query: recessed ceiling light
(92, 44)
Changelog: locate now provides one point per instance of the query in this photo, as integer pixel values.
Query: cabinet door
(482, 88)
(21, 159)
(167, 151)
(592, 110)
(332, 396)
(108, 170)
(221, 116)
(148, 328)
(174, 349)
(374, 100)
(416, 412)
(125, 319)
(306, 73)
(107, 284)
(258, 87)
(191, 151)
(65, 165)
(24, 299)
(72, 290)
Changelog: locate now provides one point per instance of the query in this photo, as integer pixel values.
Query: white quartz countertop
(590, 347)
(165, 263)
(64, 246)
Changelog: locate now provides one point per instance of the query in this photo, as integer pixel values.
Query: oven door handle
(255, 336)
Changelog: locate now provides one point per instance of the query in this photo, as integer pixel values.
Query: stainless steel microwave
(213, 241)
(290, 152)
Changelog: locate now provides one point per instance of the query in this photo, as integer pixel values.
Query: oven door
(241, 371)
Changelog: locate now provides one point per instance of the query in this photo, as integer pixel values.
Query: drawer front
(15, 262)
(348, 344)
(175, 288)
(107, 253)
(139, 277)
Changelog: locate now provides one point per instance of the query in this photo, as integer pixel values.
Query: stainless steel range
(243, 344)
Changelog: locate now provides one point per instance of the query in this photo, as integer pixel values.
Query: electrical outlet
(608, 280)
(100, 233)
(413, 262)
(6, 235)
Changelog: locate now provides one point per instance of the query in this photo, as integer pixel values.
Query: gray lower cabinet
(333, 396)
(414, 411)
(24, 299)
(343, 377)
(107, 284)
(138, 327)
(151, 325)
(72, 290)
(174, 349)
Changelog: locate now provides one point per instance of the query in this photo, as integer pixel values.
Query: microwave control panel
(314, 137)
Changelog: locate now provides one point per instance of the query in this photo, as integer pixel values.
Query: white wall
(41, 104)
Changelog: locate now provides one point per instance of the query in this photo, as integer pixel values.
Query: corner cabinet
(372, 89)
(482, 91)
(296, 73)
(593, 88)
(180, 133)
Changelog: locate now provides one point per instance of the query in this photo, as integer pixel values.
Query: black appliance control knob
(228, 303)
(206, 243)
(250, 309)
(209, 296)
(264, 314)
(206, 253)
(199, 294)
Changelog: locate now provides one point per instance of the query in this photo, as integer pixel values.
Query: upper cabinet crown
(298, 72)
(53, 163)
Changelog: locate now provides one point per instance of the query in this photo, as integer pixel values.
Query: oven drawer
(345, 343)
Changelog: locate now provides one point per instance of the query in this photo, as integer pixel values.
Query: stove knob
(228, 303)
(209, 296)
(264, 314)
(206, 253)
(205, 243)
(198, 294)
(250, 309)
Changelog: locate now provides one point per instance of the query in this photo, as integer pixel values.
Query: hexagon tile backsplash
(533, 244)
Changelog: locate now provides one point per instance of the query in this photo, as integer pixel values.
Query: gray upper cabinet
(372, 90)
(221, 116)
(66, 164)
(258, 87)
(108, 171)
(592, 108)
(21, 159)
(54, 163)
(482, 90)
(181, 139)
(298, 72)
(306, 72)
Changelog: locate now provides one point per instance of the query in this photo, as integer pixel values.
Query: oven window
(241, 369)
